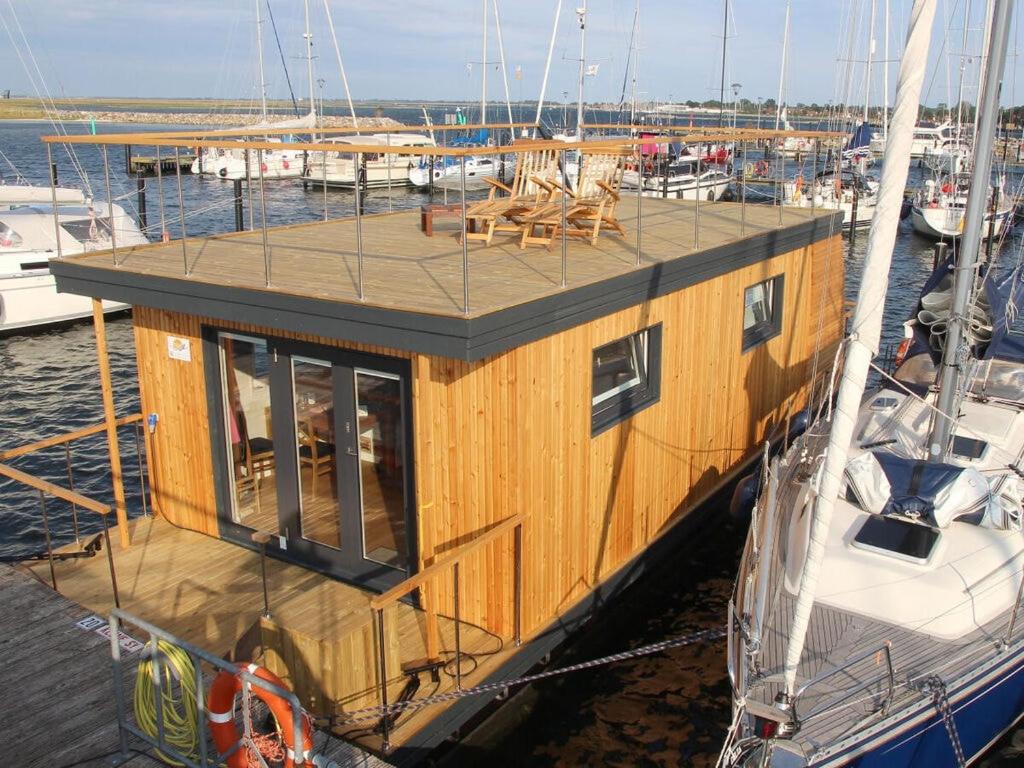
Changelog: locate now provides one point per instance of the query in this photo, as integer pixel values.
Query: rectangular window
(762, 312)
(626, 377)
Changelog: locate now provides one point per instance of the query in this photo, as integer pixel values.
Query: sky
(432, 49)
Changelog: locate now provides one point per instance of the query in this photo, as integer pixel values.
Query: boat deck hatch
(888, 536)
(968, 447)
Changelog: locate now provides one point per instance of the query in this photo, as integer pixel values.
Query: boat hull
(984, 708)
(942, 224)
(32, 302)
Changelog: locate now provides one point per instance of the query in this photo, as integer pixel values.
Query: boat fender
(220, 707)
(744, 496)
(263, 167)
(284, 164)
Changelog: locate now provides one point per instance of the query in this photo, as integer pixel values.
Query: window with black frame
(625, 377)
(762, 312)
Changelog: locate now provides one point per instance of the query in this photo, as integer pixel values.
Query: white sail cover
(866, 327)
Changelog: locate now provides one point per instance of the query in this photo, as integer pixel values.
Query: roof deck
(415, 287)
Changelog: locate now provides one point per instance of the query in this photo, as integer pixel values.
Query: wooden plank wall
(512, 433)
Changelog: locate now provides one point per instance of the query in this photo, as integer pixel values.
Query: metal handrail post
(1016, 610)
(696, 207)
(142, 475)
(565, 243)
(110, 206)
(458, 633)
(46, 533)
(110, 561)
(262, 538)
(160, 191)
(181, 211)
(382, 662)
(517, 555)
(782, 181)
(389, 156)
(814, 177)
(71, 487)
(465, 240)
(158, 697)
(639, 197)
(115, 663)
(323, 177)
(743, 190)
(357, 169)
(248, 189)
(263, 220)
(53, 197)
(197, 665)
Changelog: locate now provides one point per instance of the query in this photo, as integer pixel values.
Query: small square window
(762, 312)
(625, 377)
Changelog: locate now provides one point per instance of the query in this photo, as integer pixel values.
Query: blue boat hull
(984, 708)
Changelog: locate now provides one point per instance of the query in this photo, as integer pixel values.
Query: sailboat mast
(547, 64)
(721, 90)
(259, 56)
(582, 11)
(871, 55)
(341, 64)
(963, 66)
(483, 78)
(501, 58)
(866, 327)
(782, 70)
(636, 62)
(309, 59)
(885, 76)
(970, 243)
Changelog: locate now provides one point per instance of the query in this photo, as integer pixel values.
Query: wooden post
(99, 324)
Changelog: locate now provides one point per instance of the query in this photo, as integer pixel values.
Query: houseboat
(381, 453)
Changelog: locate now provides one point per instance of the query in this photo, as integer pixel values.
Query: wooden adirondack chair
(589, 207)
(533, 185)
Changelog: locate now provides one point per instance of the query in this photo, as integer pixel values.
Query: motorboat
(938, 207)
(28, 297)
(680, 179)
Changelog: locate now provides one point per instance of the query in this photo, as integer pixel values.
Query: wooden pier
(146, 164)
(59, 707)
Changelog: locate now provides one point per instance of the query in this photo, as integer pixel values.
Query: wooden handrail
(54, 490)
(67, 437)
(418, 579)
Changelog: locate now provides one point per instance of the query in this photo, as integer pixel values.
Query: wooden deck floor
(403, 269)
(209, 592)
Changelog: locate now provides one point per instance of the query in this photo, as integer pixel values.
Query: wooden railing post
(99, 323)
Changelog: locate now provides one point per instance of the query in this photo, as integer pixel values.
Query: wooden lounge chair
(589, 208)
(536, 172)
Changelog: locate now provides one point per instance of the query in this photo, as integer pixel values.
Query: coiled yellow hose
(177, 695)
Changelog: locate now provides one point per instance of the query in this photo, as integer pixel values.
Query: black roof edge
(467, 339)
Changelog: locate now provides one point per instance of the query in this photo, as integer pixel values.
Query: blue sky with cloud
(427, 49)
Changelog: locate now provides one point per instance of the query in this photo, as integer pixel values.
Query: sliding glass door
(314, 447)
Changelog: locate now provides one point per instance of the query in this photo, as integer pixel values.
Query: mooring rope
(373, 713)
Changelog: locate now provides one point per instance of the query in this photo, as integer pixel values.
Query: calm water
(666, 710)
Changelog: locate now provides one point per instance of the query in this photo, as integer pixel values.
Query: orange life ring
(220, 708)
(761, 169)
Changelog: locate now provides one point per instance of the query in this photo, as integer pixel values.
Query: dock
(146, 164)
(59, 708)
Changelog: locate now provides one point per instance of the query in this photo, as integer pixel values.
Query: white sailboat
(875, 616)
(283, 163)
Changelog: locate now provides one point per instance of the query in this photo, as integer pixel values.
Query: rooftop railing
(645, 148)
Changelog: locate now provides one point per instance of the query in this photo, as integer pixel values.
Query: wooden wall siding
(511, 433)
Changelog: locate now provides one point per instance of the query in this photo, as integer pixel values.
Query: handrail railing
(69, 494)
(77, 500)
(66, 437)
(889, 675)
(450, 561)
(196, 656)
